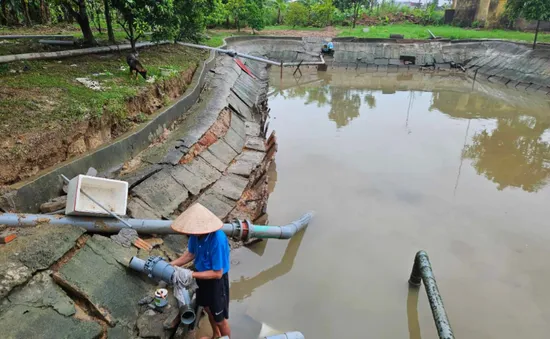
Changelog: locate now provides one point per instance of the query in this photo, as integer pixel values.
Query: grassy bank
(34, 93)
(412, 31)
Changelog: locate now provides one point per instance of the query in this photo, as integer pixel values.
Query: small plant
(141, 117)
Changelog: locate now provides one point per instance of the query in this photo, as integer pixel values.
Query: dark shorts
(214, 294)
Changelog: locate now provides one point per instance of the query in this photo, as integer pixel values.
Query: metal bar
(298, 68)
(422, 271)
(113, 214)
(110, 225)
(231, 53)
(433, 36)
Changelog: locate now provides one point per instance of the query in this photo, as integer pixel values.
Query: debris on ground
(125, 237)
(54, 204)
(91, 84)
(7, 236)
(142, 244)
(154, 242)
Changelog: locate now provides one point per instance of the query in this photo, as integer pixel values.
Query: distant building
(487, 13)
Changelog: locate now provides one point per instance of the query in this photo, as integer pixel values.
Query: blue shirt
(211, 252)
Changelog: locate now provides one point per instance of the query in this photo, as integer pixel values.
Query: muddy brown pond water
(395, 163)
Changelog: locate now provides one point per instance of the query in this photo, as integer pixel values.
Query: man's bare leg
(224, 328)
(215, 330)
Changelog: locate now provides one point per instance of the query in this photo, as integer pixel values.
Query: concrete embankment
(512, 64)
(56, 281)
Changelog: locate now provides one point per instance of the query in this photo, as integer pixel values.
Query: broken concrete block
(230, 186)
(243, 168)
(151, 324)
(12, 273)
(382, 61)
(138, 209)
(161, 192)
(195, 175)
(42, 292)
(212, 160)
(252, 128)
(96, 274)
(255, 143)
(234, 140)
(237, 124)
(22, 321)
(222, 151)
(217, 204)
(136, 177)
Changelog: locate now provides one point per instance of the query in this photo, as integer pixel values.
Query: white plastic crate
(111, 194)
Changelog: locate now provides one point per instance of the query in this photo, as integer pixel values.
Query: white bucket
(111, 194)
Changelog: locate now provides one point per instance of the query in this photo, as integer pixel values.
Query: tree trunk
(4, 18)
(83, 21)
(44, 12)
(227, 23)
(536, 34)
(26, 15)
(132, 35)
(237, 23)
(278, 16)
(109, 21)
(355, 14)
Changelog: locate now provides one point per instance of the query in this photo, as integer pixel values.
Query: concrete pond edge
(511, 64)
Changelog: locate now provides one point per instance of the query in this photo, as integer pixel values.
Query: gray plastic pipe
(158, 269)
(233, 53)
(239, 229)
(287, 335)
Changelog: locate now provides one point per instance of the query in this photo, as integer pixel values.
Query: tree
(356, 7)
(108, 20)
(138, 16)
(297, 15)
(280, 6)
(77, 9)
(538, 10)
(190, 18)
(237, 9)
(26, 15)
(322, 13)
(255, 17)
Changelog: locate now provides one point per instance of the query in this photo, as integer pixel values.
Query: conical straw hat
(197, 219)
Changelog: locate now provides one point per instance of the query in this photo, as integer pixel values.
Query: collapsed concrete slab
(37, 250)
(97, 273)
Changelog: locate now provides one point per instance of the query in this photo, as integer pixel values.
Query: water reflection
(412, 313)
(243, 288)
(514, 154)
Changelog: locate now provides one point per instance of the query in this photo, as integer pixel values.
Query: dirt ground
(327, 32)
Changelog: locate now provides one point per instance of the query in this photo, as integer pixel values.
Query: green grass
(412, 31)
(36, 94)
(216, 37)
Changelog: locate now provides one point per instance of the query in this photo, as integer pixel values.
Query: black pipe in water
(422, 271)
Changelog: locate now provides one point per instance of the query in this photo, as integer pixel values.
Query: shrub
(297, 15)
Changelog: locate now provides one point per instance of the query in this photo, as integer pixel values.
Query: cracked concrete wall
(210, 162)
(504, 62)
